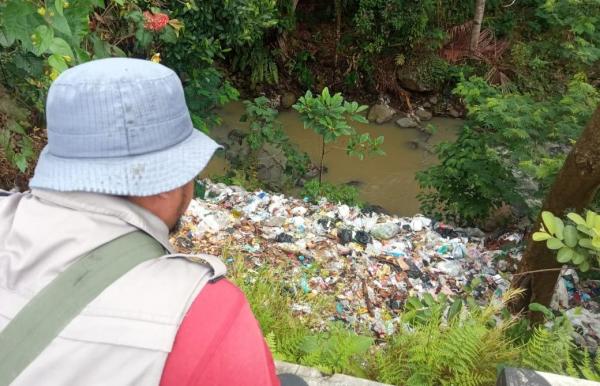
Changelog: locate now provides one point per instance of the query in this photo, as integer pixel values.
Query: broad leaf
(554, 243)
(548, 219)
(578, 258)
(58, 63)
(541, 236)
(577, 219)
(564, 255)
(60, 47)
(570, 236)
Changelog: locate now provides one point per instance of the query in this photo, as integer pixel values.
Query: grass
(440, 340)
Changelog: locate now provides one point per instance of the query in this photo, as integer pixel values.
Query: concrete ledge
(313, 377)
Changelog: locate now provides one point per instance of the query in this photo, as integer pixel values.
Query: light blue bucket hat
(120, 126)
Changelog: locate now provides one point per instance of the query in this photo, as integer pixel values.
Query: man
(121, 157)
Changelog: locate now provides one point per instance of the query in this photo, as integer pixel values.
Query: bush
(503, 149)
(344, 194)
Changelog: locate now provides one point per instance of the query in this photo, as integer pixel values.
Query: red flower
(155, 21)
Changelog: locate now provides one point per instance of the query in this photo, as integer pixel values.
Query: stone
(271, 166)
(427, 105)
(284, 238)
(424, 115)
(381, 113)
(407, 123)
(288, 99)
(453, 112)
(410, 81)
(385, 231)
(433, 100)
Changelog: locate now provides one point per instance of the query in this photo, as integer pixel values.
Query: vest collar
(110, 206)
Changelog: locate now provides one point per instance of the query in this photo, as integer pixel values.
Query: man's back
(126, 335)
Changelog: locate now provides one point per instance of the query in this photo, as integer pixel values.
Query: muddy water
(388, 181)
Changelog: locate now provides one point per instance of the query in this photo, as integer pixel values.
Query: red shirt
(219, 343)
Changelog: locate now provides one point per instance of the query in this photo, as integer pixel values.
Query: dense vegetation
(528, 83)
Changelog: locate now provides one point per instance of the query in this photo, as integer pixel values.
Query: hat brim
(140, 175)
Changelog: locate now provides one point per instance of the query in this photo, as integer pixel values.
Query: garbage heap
(370, 263)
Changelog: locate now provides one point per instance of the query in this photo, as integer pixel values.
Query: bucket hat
(119, 126)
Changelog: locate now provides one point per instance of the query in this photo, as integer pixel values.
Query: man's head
(168, 206)
(121, 127)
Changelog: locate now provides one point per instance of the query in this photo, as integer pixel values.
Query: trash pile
(370, 263)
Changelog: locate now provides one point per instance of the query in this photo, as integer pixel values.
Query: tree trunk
(477, 20)
(574, 189)
(322, 159)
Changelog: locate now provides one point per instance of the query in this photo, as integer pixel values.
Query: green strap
(51, 310)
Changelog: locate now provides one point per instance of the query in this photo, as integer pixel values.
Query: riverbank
(366, 266)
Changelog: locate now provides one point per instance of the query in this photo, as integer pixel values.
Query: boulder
(410, 81)
(271, 165)
(288, 99)
(453, 112)
(407, 123)
(433, 100)
(424, 115)
(380, 113)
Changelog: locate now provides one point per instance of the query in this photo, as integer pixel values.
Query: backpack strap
(53, 308)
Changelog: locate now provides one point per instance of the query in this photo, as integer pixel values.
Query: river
(388, 181)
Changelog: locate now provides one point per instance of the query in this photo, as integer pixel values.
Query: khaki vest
(124, 336)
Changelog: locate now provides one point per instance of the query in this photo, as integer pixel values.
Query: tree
(328, 116)
(477, 20)
(574, 189)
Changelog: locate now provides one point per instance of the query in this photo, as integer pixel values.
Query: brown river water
(388, 181)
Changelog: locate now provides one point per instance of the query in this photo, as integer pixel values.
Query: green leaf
(577, 219)
(585, 266)
(554, 243)
(58, 4)
(60, 47)
(58, 63)
(537, 307)
(60, 23)
(570, 236)
(586, 243)
(541, 236)
(42, 39)
(548, 219)
(21, 162)
(578, 258)
(564, 255)
(589, 219)
(455, 308)
(5, 40)
(559, 227)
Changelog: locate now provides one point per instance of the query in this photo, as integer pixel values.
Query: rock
(344, 236)
(362, 237)
(380, 113)
(427, 105)
(433, 100)
(410, 81)
(407, 123)
(385, 231)
(271, 165)
(424, 115)
(284, 238)
(288, 99)
(453, 112)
